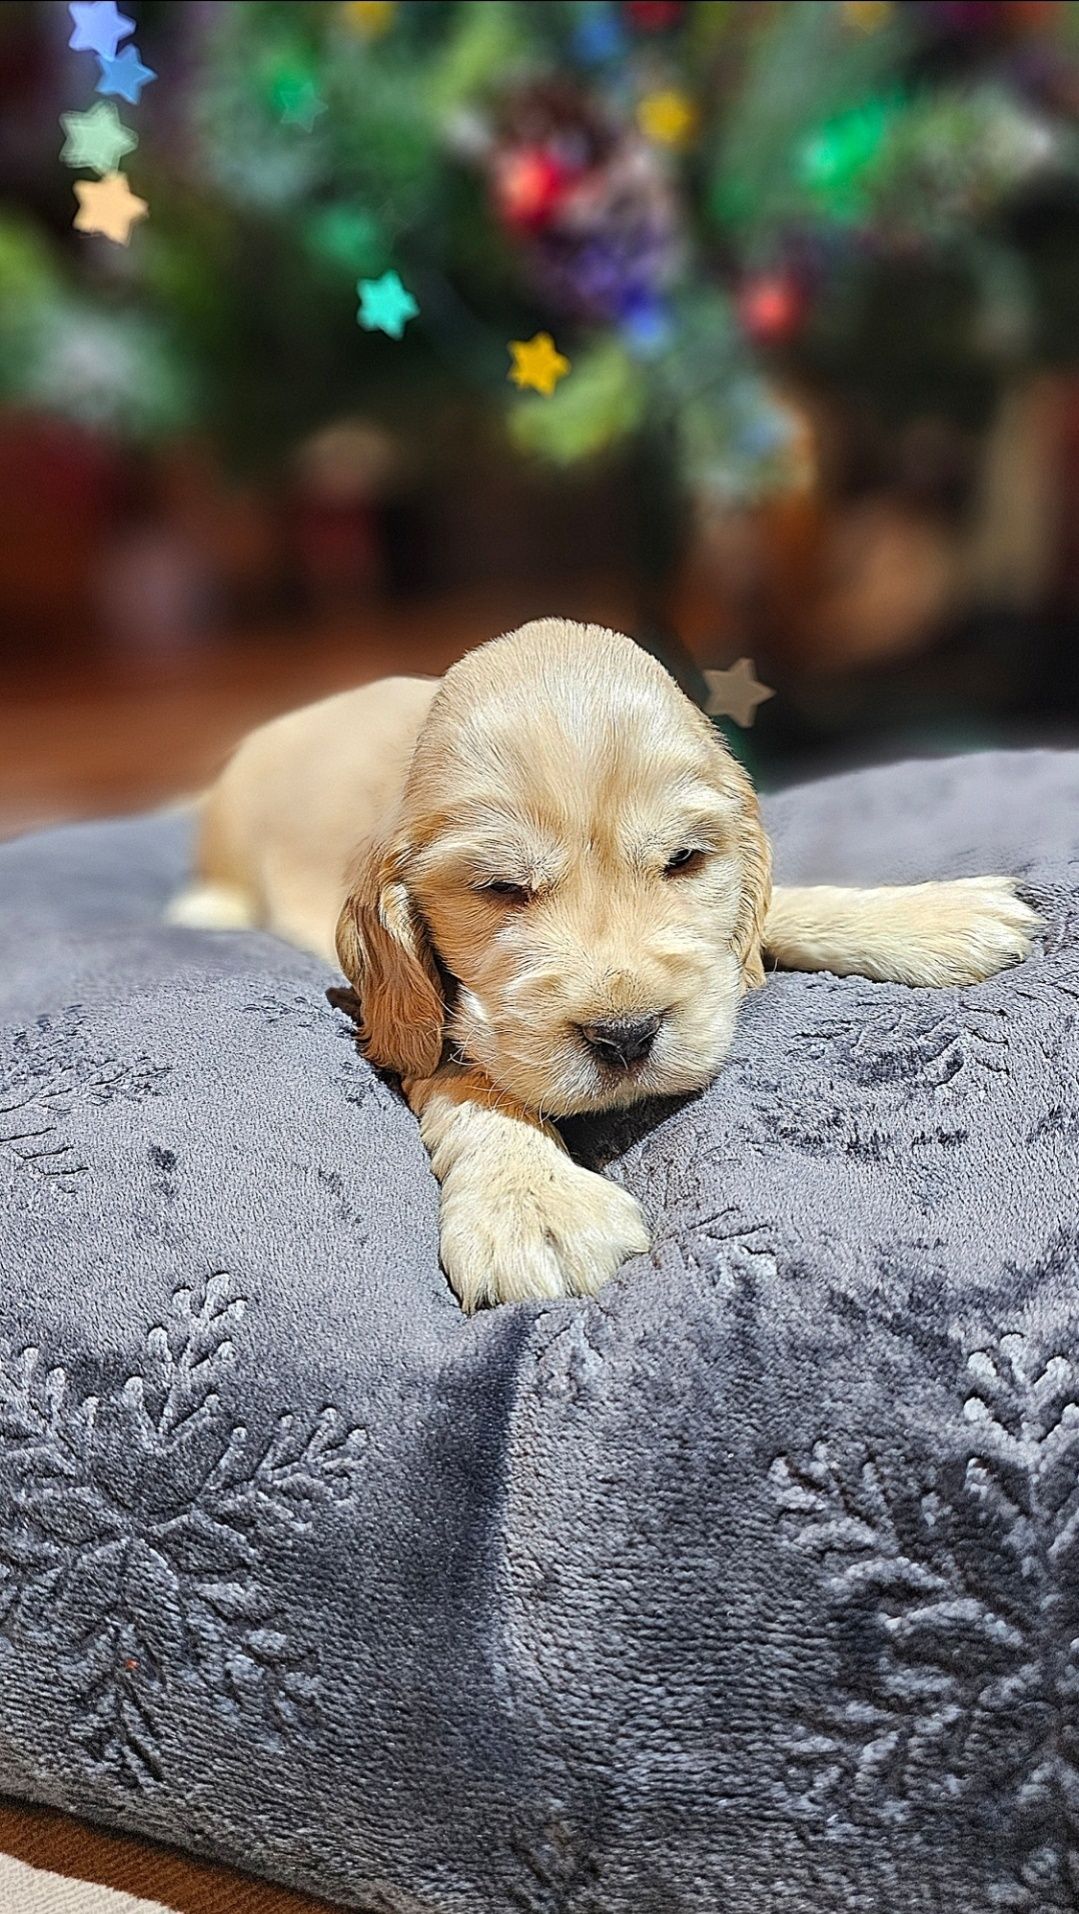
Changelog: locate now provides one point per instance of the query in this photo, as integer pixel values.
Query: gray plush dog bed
(750, 1587)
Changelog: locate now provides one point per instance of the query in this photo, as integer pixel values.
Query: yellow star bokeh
(668, 118)
(537, 364)
(108, 206)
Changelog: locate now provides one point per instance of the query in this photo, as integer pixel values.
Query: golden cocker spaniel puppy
(547, 880)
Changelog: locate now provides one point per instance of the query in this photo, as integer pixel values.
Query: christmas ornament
(99, 27)
(645, 324)
(530, 185)
(385, 305)
(97, 138)
(771, 308)
(735, 693)
(602, 235)
(667, 117)
(835, 163)
(371, 18)
(599, 36)
(108, 206)
(537, 364)
(124, 75)
(651, 16)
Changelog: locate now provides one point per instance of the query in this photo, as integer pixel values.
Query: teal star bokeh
(96, 138)
(385, 305)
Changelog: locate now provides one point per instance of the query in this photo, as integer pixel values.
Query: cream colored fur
(212, 907)
(562, 760)
(958, 932)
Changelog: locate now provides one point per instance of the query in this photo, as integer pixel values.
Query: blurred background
(812, 270)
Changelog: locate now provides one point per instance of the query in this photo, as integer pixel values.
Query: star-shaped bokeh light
(124, 75)
(537, 364)
(108, 206)
(385, 305)
(99, 27)
(298, 101)
(96, 138)
(736, 693)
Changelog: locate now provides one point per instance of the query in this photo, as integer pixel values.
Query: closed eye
(504, 889)
(683, 862)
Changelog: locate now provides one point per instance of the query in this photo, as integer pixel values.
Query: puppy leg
(958, 932)
(520, 1220)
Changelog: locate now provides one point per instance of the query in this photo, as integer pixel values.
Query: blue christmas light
(599, 36)
(645, 323)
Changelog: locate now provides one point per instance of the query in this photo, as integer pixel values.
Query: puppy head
(587, 861)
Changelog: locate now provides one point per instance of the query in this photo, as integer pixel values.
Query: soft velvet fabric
(751, 1585)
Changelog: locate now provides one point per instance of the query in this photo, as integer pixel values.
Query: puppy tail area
(957, 932)
(212, 907)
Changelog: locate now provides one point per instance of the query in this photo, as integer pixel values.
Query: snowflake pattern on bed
(956, 1039)
(48, 1074)
(955, 1593)
(558, 1873)
(134, 1527)
(939, 1036)
(305, 1011)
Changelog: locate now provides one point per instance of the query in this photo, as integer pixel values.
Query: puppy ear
(384, 951)
(756, 856)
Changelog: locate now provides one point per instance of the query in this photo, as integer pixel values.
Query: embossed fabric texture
(751, 1584)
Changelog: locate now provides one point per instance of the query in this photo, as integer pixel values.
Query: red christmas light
(771, 308)
(529, 186)
(651, 16)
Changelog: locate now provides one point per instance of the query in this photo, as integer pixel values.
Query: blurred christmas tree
(699, 203)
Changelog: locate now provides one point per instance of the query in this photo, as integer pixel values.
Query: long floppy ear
(384, 952)
(756, 854)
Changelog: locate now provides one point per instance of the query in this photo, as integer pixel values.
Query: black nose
(622, 1041)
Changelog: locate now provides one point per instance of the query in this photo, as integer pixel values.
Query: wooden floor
(59, 1844)
(95, 738)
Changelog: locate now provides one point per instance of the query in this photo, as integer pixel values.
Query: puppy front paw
(534, 1227)
(975, 927)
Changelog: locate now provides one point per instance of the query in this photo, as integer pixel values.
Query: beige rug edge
(30, 1890)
